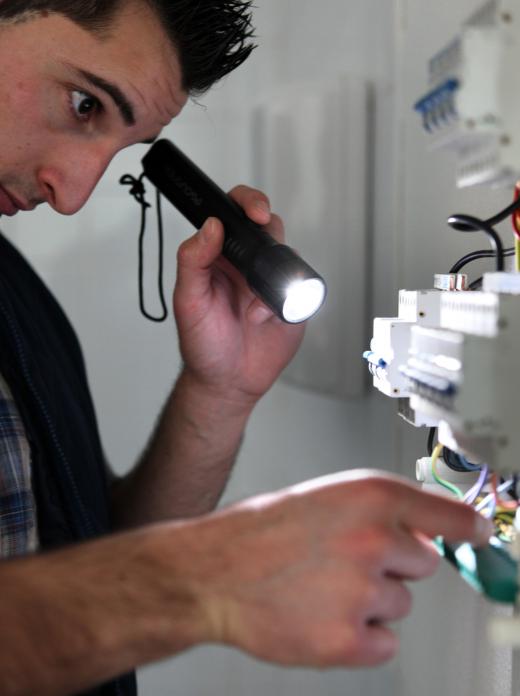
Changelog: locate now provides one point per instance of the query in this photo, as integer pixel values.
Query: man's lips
(8, 204)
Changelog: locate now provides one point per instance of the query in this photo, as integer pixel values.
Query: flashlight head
(288, 285)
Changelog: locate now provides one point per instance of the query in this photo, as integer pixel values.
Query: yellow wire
(445, 484)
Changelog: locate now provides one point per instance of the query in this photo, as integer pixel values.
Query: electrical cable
(515, 219)
(490, 498)
(475, 255)
(462, 224)
(457, 462)
(502, 215)
(431, 438)
(138, 191)
(468, 223)
(501, 504)
(442, 482)
(473, 493)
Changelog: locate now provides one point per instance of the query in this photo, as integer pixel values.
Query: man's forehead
(136, 65)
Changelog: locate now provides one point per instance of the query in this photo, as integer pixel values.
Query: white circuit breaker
(471, 106)
(463, 374)
(391, 341)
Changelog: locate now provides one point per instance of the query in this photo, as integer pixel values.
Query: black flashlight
(274, 272)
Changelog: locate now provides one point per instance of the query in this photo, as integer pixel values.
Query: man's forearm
(188, 462)
(76, 618)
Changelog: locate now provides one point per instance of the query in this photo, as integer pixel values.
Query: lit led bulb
(304, 298)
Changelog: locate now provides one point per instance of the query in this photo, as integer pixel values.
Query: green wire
(445, 484)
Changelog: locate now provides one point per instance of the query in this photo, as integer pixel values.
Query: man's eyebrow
(123, 104)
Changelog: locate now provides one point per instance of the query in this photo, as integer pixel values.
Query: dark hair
(212, 37)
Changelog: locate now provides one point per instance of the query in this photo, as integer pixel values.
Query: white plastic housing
(471, 107)
(465, 375)
(391, 339)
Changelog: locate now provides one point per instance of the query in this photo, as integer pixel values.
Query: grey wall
(91, 262)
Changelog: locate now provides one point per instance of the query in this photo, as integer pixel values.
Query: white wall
(91, 262)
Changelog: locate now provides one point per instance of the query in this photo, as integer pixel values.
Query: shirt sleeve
(18, 519)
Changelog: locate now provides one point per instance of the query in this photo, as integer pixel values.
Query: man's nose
(67, 180)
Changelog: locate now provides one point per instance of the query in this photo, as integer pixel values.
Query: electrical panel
(471, 106)
(448, 359)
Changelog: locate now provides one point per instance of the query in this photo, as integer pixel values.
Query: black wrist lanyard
(138, 191)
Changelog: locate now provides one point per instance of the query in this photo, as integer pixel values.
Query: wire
(515, 219)
(468, 223)
(457, 462)
(463, 224)
(489, 500)
(503, 214)
(475, 255)
(445, 484)
(491, 497)
(501, 504)
(474, 492)
(431, 438)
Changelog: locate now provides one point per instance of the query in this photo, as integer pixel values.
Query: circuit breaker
(470, 106)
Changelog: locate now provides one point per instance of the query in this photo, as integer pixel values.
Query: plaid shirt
(18, 525)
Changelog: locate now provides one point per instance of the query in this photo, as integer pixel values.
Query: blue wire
(468, 465)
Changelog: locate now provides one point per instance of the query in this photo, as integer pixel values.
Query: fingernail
(263, 207)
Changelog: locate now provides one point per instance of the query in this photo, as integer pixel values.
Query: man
(306, 576)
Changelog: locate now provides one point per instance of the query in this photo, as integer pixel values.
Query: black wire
(138, 191)
(458, 223)
(499, 217)
(475, 255)
(503, 214)
(514, 492)
(468, 223)
(476, 284)
(431, 438)
(457, 463)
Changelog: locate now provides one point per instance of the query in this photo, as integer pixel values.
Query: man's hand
(230, 342)
(307, 576)
(312, 576)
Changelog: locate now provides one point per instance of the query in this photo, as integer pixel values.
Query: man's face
(70, 100)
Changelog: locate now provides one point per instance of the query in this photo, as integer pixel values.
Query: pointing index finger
(436, 515)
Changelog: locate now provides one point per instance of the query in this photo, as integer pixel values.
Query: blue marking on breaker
(441, 385)
(438, 106)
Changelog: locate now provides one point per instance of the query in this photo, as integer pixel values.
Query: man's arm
(188, 462)
(233, 349)
(307, 576)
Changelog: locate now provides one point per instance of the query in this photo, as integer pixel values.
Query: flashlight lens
(304, 298)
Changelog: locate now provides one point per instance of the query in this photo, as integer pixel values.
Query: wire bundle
(468, 223)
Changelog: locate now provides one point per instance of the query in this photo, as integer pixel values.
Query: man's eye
(84, 105)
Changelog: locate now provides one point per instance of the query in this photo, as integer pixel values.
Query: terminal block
(463, 374)
(391, 342)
